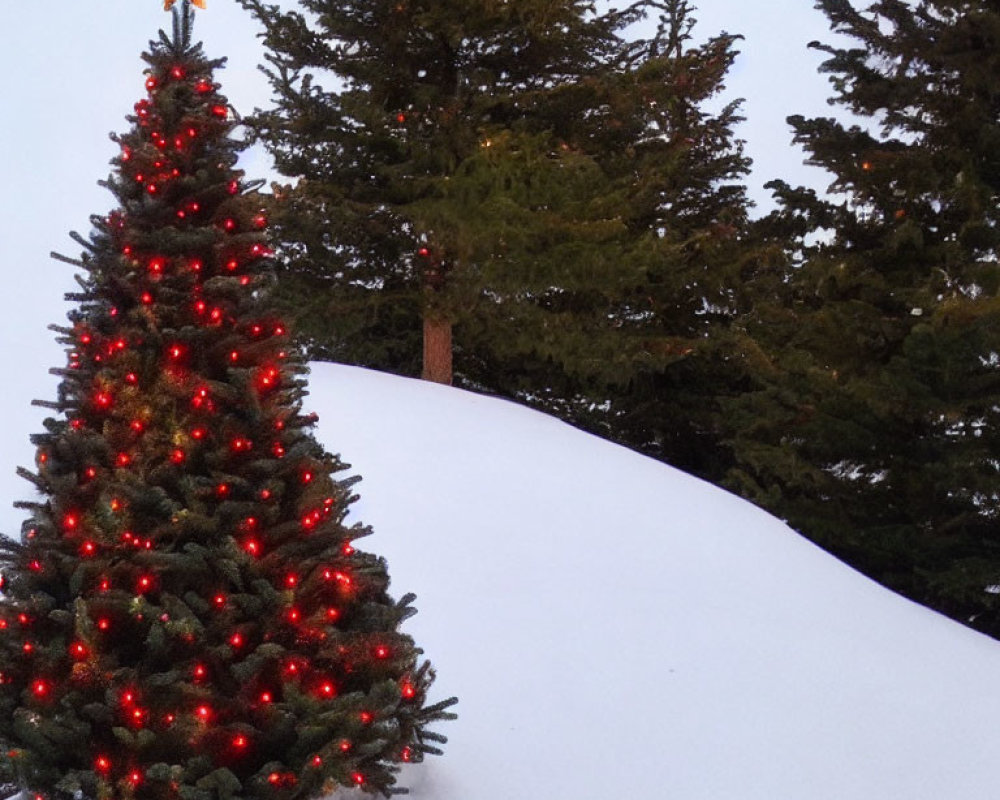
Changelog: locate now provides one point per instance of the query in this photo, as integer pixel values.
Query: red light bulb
(265, 697)
(220, 111)
(408, 691)
(135, 777)
(103, 624)
(317, 761)
(219, 600)
(78, 650)
(40, 688)
(71, 521)
(236, 640)
(381, 651)
(87, 549)
(239, 741)
(366, 717)
(177, 73)
(102, 764)
(291, 580)
(144, 584)
(204, 713)
(200, 671)
(177, 456)
(203, 86)
(147, 298)
(151, 83)
(137, 425)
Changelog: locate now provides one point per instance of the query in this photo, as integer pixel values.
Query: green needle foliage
(186, 613)
(553, 192)
(878, 433)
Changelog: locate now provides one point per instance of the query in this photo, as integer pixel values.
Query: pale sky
(70, 71)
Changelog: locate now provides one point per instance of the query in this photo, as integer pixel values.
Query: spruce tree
(527, 181)
(186, 614)
(878, 434)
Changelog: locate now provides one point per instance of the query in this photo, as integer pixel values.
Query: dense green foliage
(557, 191)
(877, 434)
(186, 615)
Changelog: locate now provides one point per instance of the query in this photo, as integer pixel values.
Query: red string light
(40, 688)
(102, 764)
(78, 650)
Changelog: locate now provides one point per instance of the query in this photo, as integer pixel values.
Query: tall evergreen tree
(186, 613)
(550, 195)
(879, 433)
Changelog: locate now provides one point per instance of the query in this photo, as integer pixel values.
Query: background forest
(526, 199)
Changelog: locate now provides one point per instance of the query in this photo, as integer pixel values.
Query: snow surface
(615, 628)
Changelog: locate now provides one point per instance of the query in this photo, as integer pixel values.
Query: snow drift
(617, 629)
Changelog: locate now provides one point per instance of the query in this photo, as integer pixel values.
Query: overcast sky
(70, 71)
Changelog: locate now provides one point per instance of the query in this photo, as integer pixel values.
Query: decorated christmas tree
(186, 614)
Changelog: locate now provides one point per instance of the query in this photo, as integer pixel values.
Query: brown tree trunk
(437, 350)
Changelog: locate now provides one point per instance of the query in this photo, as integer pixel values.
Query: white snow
(617, 629)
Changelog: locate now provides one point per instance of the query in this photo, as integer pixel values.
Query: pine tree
(186, 613)
(550, 195)
(878, 433)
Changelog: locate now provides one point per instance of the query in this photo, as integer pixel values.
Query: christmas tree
(876, 434)
(186, 613)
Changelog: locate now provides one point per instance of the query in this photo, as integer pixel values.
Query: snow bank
(617, 629)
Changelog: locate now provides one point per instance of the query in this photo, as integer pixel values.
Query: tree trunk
(437, 350)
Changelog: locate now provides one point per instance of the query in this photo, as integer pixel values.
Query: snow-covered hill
(617, 629)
